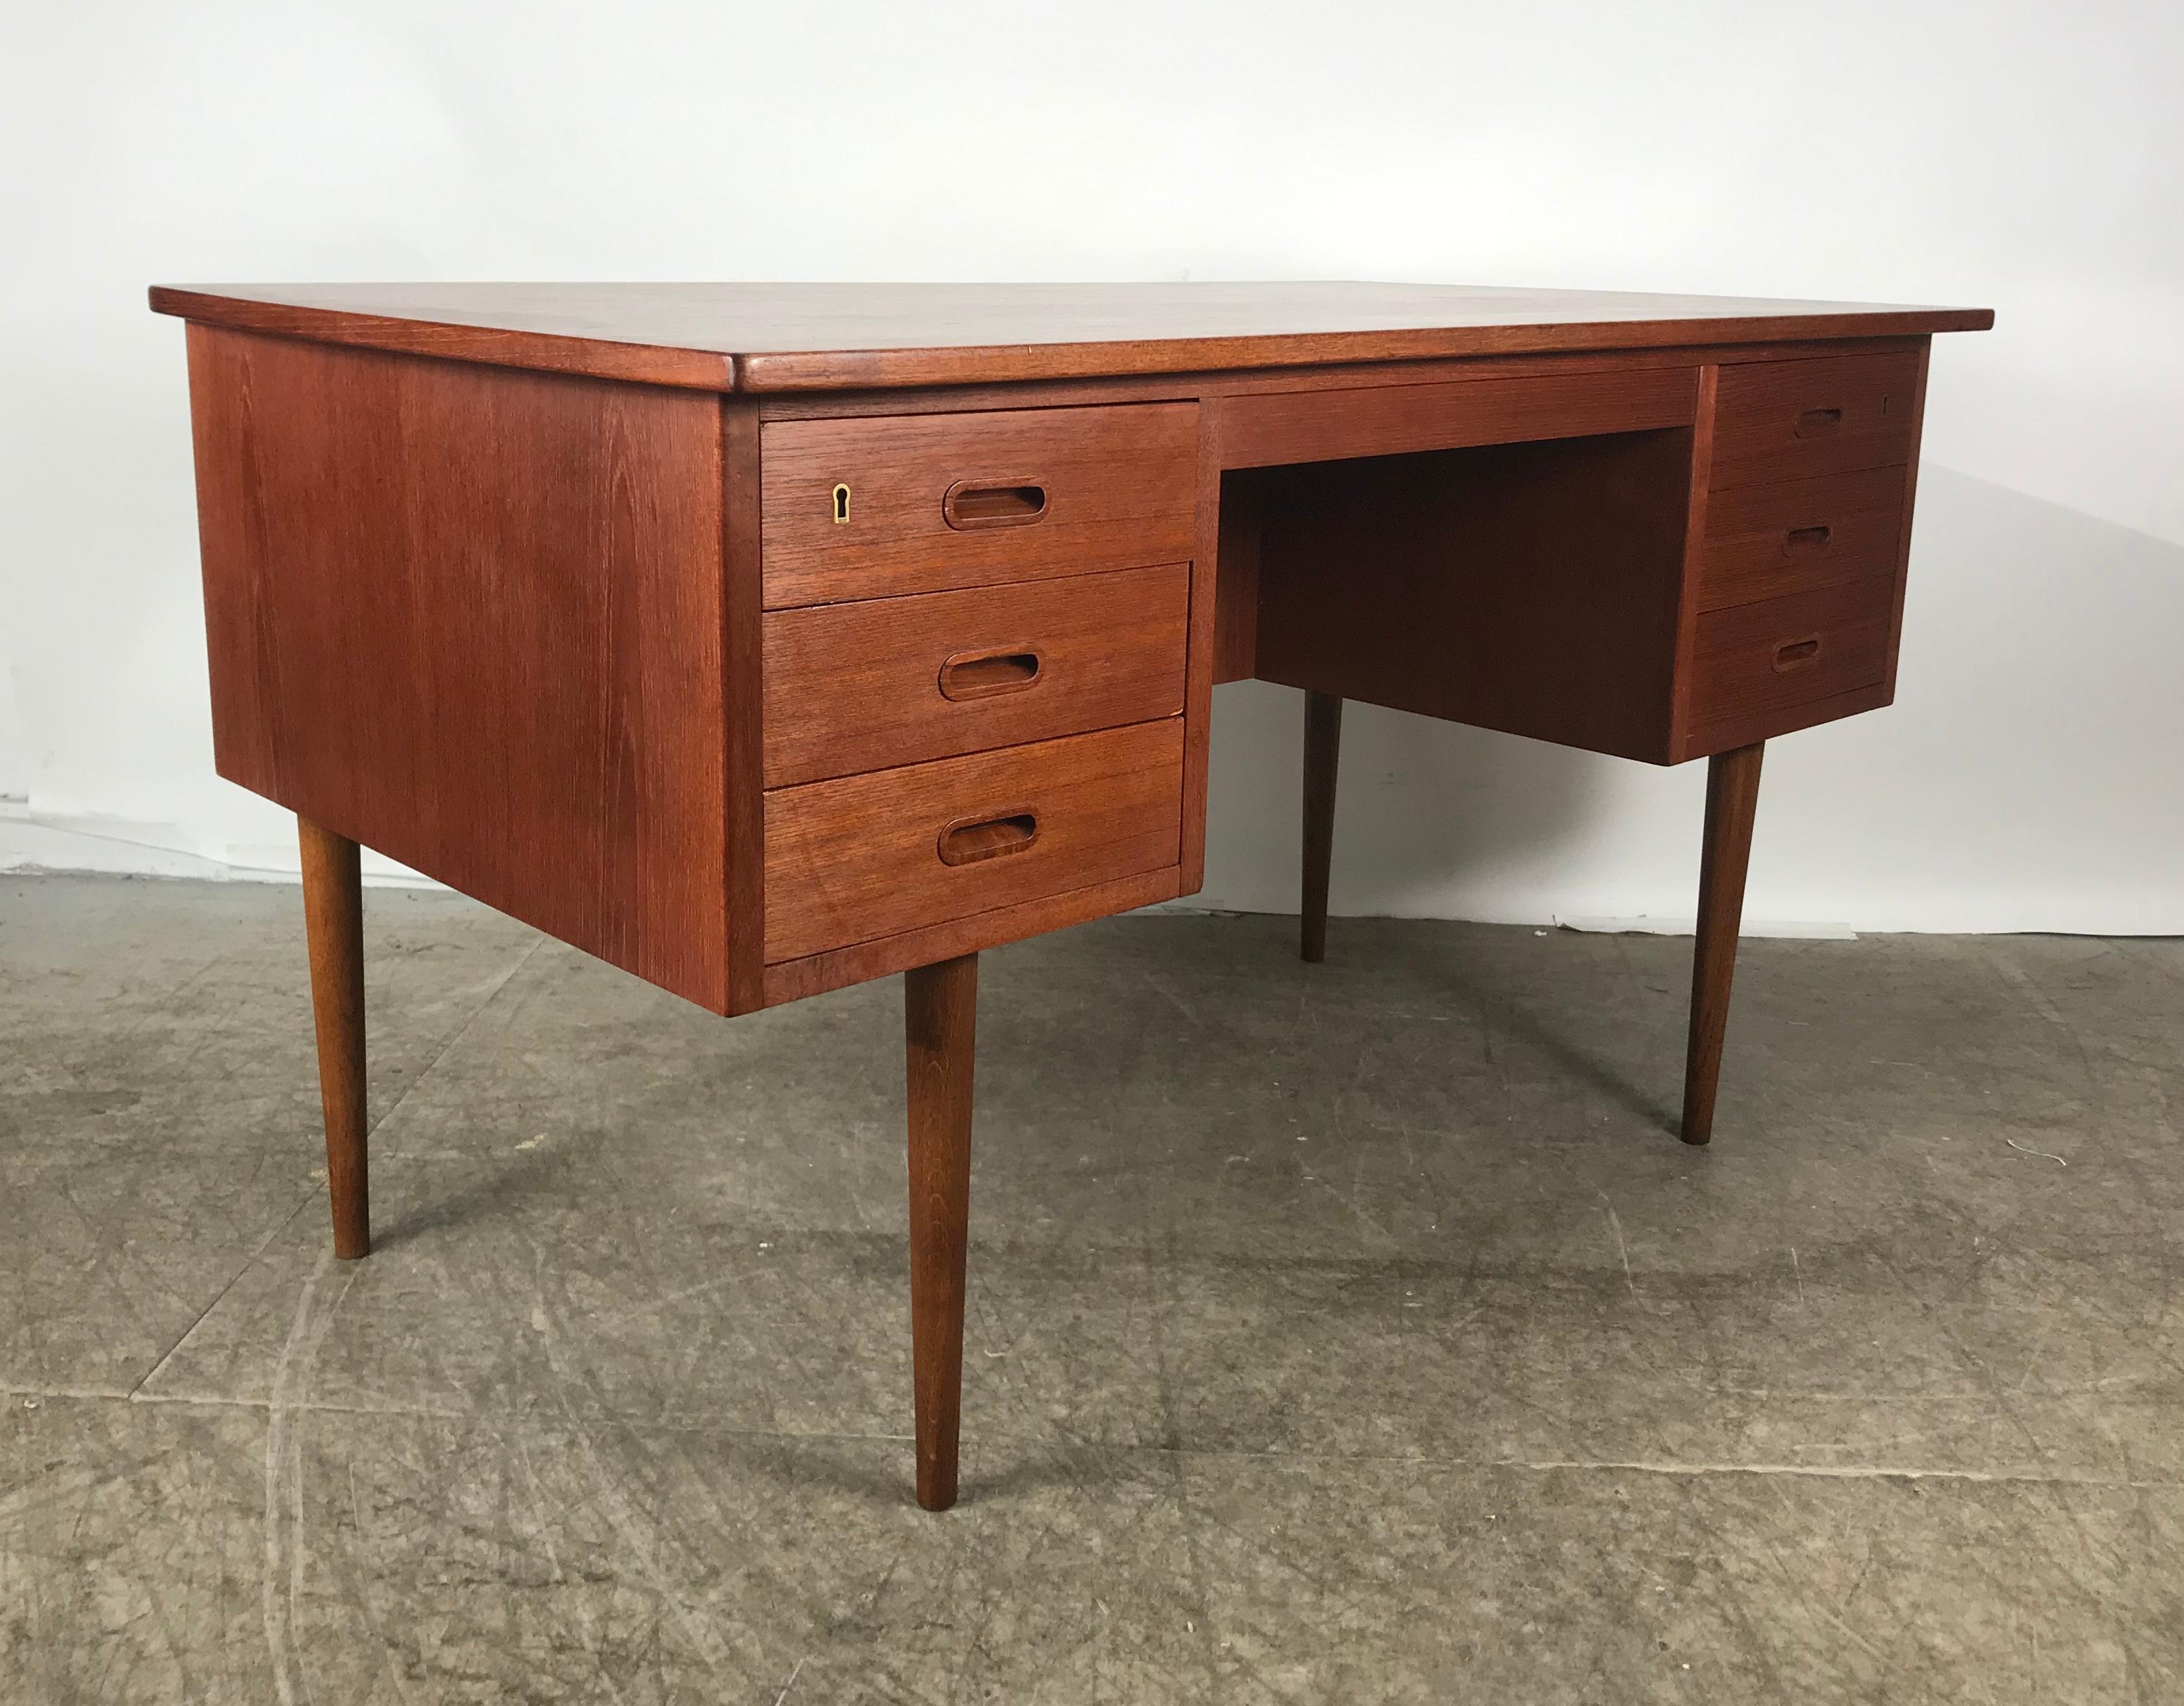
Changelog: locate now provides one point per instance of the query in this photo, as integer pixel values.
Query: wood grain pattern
(334, 929)
(1201, 385)
(1740, 670)
(1910, 497)
(792, 980)
(743, 660)
(1796, 536)
(1799, 420)
(1198, 674)
(1121, 487)
(1732, 805)
(1533, 588)
(777, 337)
(858, 686)
(1236, 581)
(474, 620)
(1725, 733)
(855, 859)
(1695, 514)
(1323, 756)
(1279, 427)
(940, 1026)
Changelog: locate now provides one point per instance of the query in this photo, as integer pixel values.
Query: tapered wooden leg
(333, 922)
(1732, 798)
(940, 1019)
(1322, 748)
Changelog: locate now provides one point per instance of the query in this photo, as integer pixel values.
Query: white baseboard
(36, 842)
(1796, 929)
(1793, 929)
(48, 841)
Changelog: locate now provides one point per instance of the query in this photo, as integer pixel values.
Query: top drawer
(875, 506)
(1798, 419)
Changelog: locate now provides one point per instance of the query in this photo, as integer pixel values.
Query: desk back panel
(473, 618)
(1532, 589)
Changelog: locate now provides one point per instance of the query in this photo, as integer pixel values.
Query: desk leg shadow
(1732, 803)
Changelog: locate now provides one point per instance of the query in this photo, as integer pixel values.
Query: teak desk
(765, 639)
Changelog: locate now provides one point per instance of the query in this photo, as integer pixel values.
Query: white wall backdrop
(2025, 156)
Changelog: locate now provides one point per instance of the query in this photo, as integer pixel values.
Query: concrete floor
(1353, 1332)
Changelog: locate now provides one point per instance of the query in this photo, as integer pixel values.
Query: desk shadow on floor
(1576, 1063)
(538, 1171)
(1422, 807)
(1439, 973)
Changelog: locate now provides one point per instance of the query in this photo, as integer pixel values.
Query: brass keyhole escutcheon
(841, 503)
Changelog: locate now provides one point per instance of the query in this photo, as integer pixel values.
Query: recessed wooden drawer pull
(1807, 538)
(1811, 420)
(990, 498)
(983, 674)
(966, 843)
(1796, 652)
(1009, 505)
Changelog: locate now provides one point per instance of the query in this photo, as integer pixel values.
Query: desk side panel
(472, 618)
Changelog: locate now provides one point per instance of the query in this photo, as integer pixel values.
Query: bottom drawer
(861, 857)
(1779, 653)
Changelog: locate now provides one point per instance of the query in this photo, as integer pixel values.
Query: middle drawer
(1796, 536)
(858, 687)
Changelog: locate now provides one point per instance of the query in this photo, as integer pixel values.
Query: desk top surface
(778, 338)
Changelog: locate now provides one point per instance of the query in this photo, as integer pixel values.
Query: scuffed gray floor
(1349, 1333)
